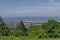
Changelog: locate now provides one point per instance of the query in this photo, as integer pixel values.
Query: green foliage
(16, 33)
(36, 32)
(51, 28)
(3, 28)
(21, 27)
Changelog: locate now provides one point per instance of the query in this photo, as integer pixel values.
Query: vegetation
(47, 31)
(51, 28)
(3, 28)
(21, 27)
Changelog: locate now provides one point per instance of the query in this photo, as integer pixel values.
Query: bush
(16, 33)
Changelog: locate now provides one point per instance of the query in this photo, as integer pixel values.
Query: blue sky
(13, 8)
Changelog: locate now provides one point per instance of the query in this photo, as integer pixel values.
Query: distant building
(26, 23)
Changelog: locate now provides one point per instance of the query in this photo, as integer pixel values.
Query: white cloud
(57, 4)
(49, 9)
(51, 1)
(52, 9)
(54, 3)
(46, 11)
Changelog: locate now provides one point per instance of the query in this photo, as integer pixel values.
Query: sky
(18, 8)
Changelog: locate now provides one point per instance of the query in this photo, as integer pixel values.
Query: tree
(50, 27)
(4, 31)
(21, 27)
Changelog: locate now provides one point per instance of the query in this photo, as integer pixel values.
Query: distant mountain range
(16, 19)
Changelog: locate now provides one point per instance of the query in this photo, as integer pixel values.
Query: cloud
(46, 11)
(56, 4)
(51, 1)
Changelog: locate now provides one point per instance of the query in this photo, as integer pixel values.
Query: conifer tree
(4, 31)
(21, 27)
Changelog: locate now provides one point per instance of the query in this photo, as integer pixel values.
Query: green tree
(21, 27)
(51, 27)
(3, 28)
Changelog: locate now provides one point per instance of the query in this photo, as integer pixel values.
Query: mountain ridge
(16, 19)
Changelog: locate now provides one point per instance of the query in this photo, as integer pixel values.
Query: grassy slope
(24, 38)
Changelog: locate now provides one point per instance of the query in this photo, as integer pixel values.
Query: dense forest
(50, 29)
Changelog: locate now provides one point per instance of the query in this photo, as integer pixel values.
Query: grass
(24, 38)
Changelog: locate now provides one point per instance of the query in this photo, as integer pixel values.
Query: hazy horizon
(21, 8)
